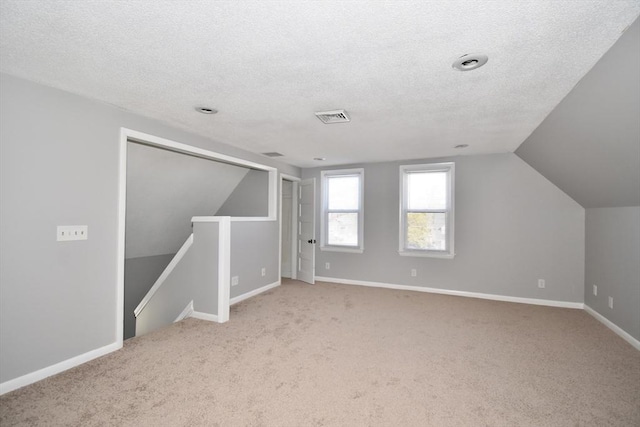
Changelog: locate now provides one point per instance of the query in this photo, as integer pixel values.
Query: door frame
(294, 227)
(312, 181)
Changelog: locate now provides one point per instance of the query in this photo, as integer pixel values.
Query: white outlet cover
(414, 272)
(541, 283)
(327, 266)
(235, 280)
(72, 232)
(595, 289)
(610, 302)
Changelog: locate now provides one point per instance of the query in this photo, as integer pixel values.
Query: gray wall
(254, 245)
(195, 278)
(139, 276)
(512, 227)
(165, 190)
(59, 166)
(249, 198)
(589, 145)
(613, 264)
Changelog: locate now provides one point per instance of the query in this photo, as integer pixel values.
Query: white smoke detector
(333, 116)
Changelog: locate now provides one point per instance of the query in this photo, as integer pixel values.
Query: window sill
(341, 249)
(427, 254)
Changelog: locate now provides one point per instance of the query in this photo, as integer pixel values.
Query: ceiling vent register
(333, 116)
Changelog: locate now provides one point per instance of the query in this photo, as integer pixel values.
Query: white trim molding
(224, 269)
(615, 328)
(154, 141)
(65, 365)
(167, 271)
(253, 293)
(493, 297)
(295, 181)
(449, 211)
(204, 316)
(188, 310)
(325, 176)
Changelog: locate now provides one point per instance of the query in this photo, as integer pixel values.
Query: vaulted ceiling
(589, 146)
(267, 66)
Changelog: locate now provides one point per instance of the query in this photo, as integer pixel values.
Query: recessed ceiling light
(206, 110)
(461, 146)
(470, 61)
(320, 159)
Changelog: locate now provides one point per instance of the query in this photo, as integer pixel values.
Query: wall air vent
(334, 116)
(272, 154)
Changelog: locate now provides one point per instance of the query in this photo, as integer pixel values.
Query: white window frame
(449, 168)
(324, 246)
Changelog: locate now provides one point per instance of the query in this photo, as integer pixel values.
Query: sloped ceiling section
(250, 197)
(589, 146)
(267, 66)
(164, 190)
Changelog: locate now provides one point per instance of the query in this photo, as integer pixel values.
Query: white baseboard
(253, 293)
(550, 303)
(204, 316)
(188, 310)
(43, 373)
(615, 328)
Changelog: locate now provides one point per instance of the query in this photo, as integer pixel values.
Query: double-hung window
(342, 210)
(426, 210)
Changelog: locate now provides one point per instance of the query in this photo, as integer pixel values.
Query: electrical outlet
(541, 283)
(235, 280)
(611, 303)
(72, 232)
(327, 266)
(414, 272)
(263, 271)
(595, 289)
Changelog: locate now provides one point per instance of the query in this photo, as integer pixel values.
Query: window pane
(426, 231)
(344, 192)
(427, 190)
(342, 229)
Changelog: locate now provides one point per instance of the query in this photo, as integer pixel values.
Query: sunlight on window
(427, 190)
(343, 229)
(344, 192)
(342, 210)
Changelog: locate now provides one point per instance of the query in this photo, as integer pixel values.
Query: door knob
(311, 241)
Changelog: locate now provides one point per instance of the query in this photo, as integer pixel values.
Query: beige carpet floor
(339, 355)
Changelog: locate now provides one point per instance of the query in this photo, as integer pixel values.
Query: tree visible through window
(427, 210)
(342, 209)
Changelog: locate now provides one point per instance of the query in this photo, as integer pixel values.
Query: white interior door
(307, 231)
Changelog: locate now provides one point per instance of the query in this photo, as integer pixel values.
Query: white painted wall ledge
(493, 297)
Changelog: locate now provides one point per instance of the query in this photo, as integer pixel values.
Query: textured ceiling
(267, 66)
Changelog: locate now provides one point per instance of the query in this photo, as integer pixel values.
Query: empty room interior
(292, 213)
